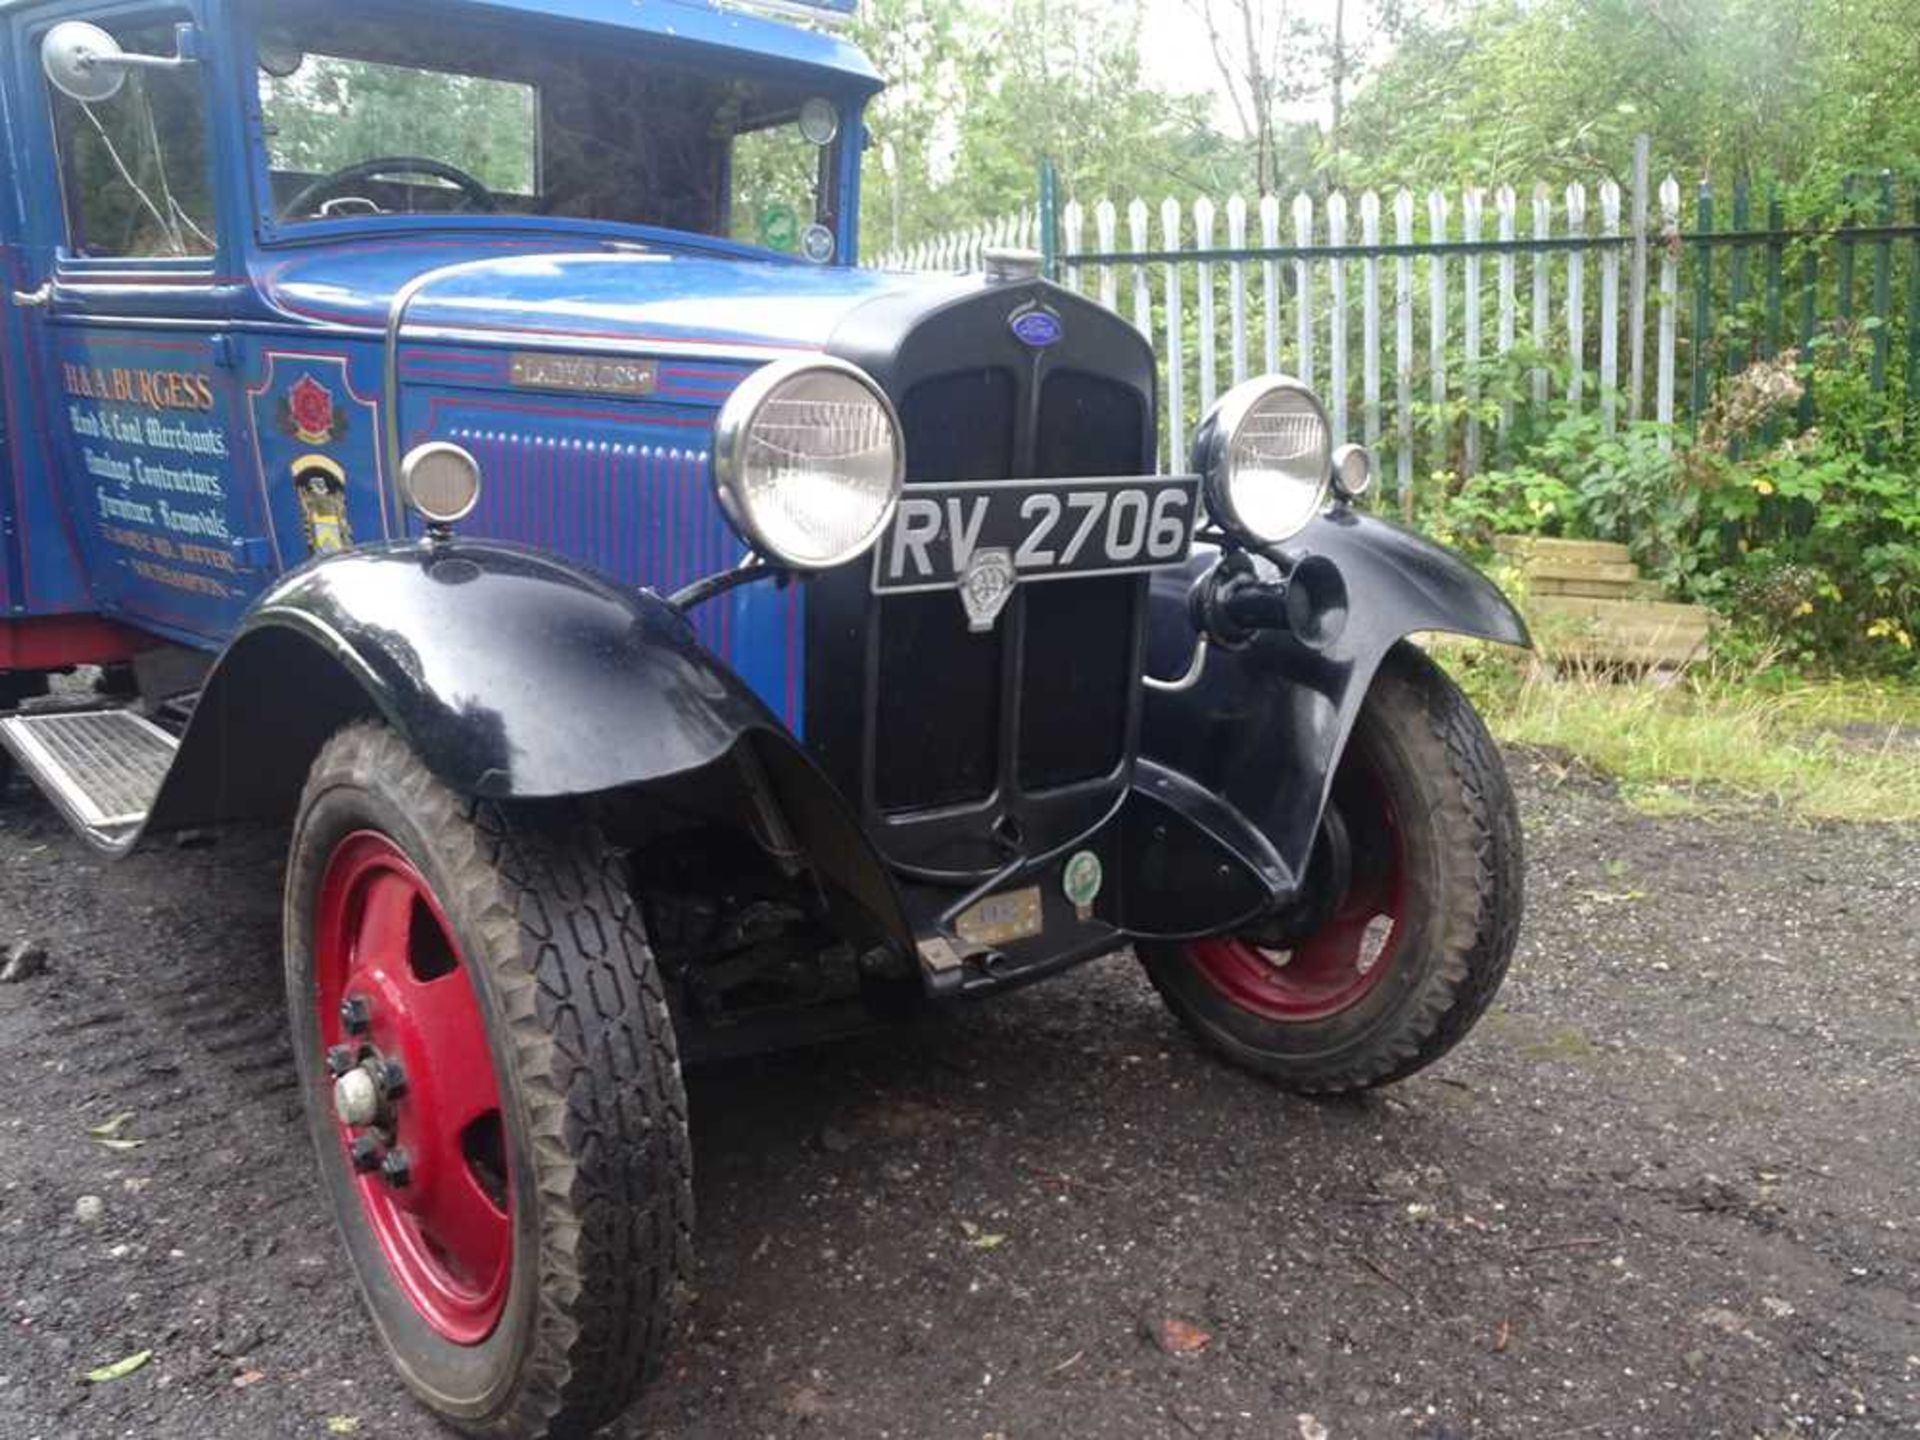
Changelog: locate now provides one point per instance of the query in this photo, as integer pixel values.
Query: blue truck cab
(459, 431)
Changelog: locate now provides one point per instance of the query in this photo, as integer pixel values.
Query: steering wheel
(331, 187)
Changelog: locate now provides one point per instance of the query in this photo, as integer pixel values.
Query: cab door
(133, 268)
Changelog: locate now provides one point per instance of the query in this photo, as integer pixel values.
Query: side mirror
(85, 63)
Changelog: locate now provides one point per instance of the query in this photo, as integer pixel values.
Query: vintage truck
(458, 432)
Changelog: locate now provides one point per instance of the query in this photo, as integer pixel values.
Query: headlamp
(809, 461)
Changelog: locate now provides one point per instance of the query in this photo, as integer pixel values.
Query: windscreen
(407, 117)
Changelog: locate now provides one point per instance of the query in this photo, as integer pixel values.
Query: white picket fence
(959, 251)
(1336, 302)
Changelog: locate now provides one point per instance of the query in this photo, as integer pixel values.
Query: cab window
(401, 117)
(135, 170)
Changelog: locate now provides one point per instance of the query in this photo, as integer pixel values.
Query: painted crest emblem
(1036, 327)
(307, 413)
(986, 588)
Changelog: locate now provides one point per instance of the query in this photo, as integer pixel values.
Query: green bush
(1810, 544)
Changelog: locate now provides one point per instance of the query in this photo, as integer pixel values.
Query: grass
(1716, 738)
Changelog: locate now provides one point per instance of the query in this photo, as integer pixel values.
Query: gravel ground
(1667, 1189)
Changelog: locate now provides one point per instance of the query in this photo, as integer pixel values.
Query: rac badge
(986, 588)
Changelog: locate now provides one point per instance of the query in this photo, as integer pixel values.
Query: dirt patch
(1667, 1190)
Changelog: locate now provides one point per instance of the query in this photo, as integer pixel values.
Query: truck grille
(959, 750)
(940, 709)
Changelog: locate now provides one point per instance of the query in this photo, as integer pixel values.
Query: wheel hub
(412, 1087)
(357, 1098)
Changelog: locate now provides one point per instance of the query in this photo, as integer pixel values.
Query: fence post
(1237, 283)
(1913, 331)
(1503, 204)
(1337, 324)
(1049, 201)
(1542, 286)
(1576, 297)
(1403, 346)
(1270, 238)
(1739, 344)
(1882, 287)
(1139, 237)
(1303, 287)
(1209, 343)
(1103, 229)
(1370, 319)
(1437, 325)
(1073, 221)
(1776, 263)
(1669, 303)
(1637, 280)
(1809, 301)
(1176, 364)
(1471, 202)
(1610, 308)
(1702, 302)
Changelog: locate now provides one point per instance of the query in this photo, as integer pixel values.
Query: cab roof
(712, 23)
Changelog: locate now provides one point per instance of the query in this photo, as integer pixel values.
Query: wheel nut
(393, 1079)
(356, 1098)
(356, 1015)
(365, 1152)
(341, 1059)
(397, 1169)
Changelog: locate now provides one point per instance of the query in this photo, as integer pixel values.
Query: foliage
(1810, 544)
(980, 93)
(1807, 90)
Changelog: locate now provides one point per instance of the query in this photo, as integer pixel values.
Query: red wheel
(493, 1090)
(416, 1103)
(1341, 963)
(1408, 914)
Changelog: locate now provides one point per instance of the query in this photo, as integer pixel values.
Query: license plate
(1004, 918)
(1044, 529)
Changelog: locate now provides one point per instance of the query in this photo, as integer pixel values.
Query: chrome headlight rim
(734, 429)
(1213, 447)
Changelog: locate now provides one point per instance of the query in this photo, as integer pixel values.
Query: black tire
(597, 1162)
(1419, 745)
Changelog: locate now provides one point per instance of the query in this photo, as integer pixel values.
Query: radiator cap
(1004, 265)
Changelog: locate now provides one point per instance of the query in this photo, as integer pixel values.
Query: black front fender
(1266, 726)
(513, 675)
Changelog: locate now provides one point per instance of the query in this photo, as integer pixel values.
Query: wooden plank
(1572, 552)
(1628, 614)
(1594, 589)
(1588, 572)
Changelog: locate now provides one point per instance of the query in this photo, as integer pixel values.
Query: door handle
(34, 299)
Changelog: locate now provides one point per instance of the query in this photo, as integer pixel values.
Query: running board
(103, 768)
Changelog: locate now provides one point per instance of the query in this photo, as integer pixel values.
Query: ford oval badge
(1036, 328)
